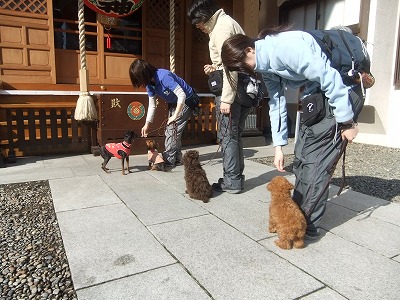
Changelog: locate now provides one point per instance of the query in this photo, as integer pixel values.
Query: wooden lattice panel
(159, 18)
(30, 6)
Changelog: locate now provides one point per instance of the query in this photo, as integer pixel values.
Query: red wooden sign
(114, 8)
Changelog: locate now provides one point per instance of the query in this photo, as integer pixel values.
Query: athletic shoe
(221, 180)
(220, 187)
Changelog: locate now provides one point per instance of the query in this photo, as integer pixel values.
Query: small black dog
(118, 150)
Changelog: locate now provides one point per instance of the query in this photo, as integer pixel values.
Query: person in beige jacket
(231, 110)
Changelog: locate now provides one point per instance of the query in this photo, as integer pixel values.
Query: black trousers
(317, 151)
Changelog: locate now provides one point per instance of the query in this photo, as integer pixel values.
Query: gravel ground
(33, 261)
(371, 170)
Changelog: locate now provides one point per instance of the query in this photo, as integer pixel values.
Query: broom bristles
(85, 108)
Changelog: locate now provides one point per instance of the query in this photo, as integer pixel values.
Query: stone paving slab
(355, 200)
(389, 213)
(362, 228)
(228, 264)
(11, 175)
(106, 243)
(247, 215)
(153, 201)
(349, 269)
(81, 192)
(170, 282)
(324, 294)
(67, 161)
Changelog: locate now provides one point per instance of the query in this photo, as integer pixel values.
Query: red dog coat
(113, 148)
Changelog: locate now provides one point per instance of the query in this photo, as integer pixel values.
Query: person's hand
(171, 119)
(225, 108)
(209, 69)
(279, 160)
(350, 134)
(144, 130)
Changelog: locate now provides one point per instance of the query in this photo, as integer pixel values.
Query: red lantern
(114, 8)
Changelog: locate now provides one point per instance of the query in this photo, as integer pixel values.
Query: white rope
(81, 26)
(85, 108)
(172, 35)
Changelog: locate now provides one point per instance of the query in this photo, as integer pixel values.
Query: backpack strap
(352, 71)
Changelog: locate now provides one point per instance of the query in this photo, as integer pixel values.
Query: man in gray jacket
(231, 110)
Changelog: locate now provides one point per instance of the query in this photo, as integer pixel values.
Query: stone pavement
(140, 236)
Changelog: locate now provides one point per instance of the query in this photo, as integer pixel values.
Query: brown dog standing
(118, 150)
(285, 217)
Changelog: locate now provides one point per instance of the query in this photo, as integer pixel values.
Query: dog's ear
(284, 183)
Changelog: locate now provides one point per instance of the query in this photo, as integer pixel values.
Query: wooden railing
(44, 125)
(40, 128)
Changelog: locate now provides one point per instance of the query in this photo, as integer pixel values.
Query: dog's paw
(106, 170)
(298, 244)
(283, 244)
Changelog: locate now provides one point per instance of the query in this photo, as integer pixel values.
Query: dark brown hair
(233, 55)
(233, 51)
(141, 72)
(273, 31)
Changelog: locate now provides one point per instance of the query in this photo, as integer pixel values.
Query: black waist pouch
(313, 109)
(192, 101)
(215, 82)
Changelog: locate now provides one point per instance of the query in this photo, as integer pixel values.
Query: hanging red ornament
(108, 40)
(114, 8)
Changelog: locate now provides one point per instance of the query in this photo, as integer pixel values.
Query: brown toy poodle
(285, 217)
(197, 185)
(156, 161)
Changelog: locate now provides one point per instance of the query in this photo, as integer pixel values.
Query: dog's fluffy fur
(156, 161)
(197, 184)
(122, 153)
(285, 217)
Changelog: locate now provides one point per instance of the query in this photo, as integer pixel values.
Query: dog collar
(126, 145)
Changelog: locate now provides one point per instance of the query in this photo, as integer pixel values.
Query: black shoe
(221, 180)
(220, 187)
(312, 235)
(178, 163)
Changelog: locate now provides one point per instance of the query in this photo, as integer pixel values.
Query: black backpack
(346, 53)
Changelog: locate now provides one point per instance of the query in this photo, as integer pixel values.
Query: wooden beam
(246, 14)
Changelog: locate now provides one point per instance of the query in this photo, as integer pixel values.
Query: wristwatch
(347, 125)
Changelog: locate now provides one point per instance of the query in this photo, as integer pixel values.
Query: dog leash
(342, 152)
(163, 125)
(226, 130)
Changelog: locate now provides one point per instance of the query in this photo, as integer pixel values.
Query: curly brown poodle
(156, 161)
(285, 217)
(197, 185)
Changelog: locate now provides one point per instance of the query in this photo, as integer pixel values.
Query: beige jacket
(220, 27)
